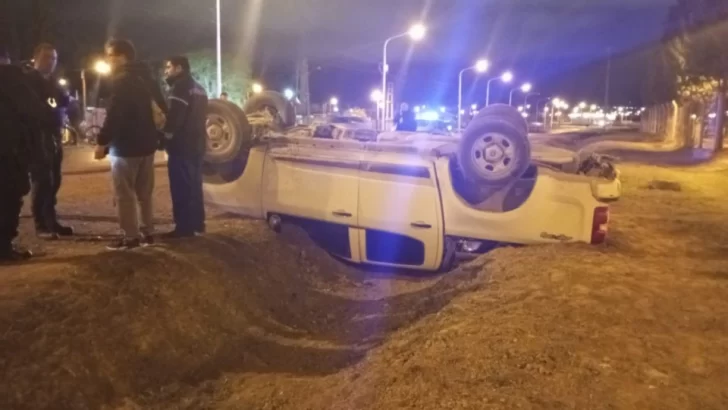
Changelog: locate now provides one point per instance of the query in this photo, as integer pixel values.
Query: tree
(696, 54)
(236, 76)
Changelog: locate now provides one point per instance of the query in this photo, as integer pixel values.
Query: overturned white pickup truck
(413, 202)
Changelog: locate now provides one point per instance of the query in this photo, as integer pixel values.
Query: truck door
(316, 191)
(400, 216)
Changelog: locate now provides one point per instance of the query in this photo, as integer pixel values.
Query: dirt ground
(245, 319)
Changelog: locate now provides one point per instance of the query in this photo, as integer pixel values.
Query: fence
(689, 125)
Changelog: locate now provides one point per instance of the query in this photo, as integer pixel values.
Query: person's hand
(99, 152)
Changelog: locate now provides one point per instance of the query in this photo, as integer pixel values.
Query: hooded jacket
(129, 129)
(186, 118)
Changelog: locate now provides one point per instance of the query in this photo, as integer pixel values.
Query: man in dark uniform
(22, 115)
(405, 119)
(46, 174)
(186, 143)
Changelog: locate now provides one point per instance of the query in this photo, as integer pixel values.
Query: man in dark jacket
(46, 172)
(22, 117)
(405, 119)
(186, 135)
(130, 136)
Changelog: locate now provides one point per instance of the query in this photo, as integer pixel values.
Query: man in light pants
(131, 137)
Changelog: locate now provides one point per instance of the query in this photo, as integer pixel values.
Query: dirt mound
(126, 326)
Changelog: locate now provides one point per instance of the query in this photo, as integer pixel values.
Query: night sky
(539, 39)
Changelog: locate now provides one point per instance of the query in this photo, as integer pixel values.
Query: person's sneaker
(123, 244)
(14, 254)
(176, 234)
(63, 230)
(147, 240)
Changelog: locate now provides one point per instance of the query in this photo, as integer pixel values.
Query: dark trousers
(185, 183)
(14, 185)
(46, 178)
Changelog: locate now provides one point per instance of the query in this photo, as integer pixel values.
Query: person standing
(186, 135)
(130, 136)
(46, 172)
(23, 116)
(405, 119)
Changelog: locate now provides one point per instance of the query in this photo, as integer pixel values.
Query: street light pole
(384, 80)
(487, 91)
(219, 50)
(416, 32)
(83, 92)
(480, 66)
(525, 102)
(510, 96)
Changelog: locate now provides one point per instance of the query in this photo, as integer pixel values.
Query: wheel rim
(219, 134)
(494, 155)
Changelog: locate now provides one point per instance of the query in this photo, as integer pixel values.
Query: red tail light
(600, 223)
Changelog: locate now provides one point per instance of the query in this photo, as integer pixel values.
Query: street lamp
(506, 77)
(525, 88)
(480, 66)
(416, 32)
(62, 82)
(376, 96)
(257, 88)
(288, 93)
(334, 101)
(102, 68)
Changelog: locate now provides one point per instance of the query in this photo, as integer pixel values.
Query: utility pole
(218, 48)
(608, 79)
(303, 87)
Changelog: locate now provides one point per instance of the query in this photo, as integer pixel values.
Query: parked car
(417, 203)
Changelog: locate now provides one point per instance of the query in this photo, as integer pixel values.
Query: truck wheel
(228, 132)
(504, 112)
(493, 152)
(272, 109)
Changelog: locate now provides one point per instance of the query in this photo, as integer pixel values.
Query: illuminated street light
(525, 88)
(582, 105)
(474, 107)
(288, 93)
(62, 82)
(334, 101)
(416, 32)
(257, 88)
(506, 77)
(593, 107)
(376, 96)
(443, 109)
(480, 66)
(101, 67)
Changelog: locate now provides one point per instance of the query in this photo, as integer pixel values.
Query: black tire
(282, 111)
(506, 113)
(493, 152)
(228, 132)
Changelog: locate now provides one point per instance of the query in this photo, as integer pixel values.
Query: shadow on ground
(126, 324)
